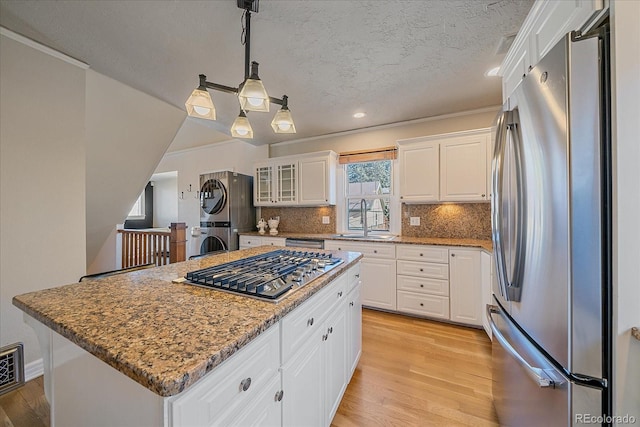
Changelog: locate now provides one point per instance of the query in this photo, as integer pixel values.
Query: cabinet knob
(351, 303)
(402, 197)
(530, 68)
(339, 249)
(358, 276)
(421, 305)
(453, 254)
(422, 269)
(375, 251)
(330, 330)
(339, 294)
(421, 255)
(310, 322)
(245, 384)
(483, 195)
(524, 75)
(278, 396)
(324, 337)
(422, 286)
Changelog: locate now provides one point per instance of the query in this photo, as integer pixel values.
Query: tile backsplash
(303, 220)
(454, 221)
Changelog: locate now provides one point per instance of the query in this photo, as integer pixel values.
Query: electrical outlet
(326, 220)
(414, 220)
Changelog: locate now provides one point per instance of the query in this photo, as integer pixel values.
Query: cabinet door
(302, 383)
(263, 411)
(287, 183)
(485, 268)
(419, 172)
(465, 287)
(378, 283)
(263, 191)
(354, 324)
(335, 357)
(463, 168)
(314, 182)
(250, 241)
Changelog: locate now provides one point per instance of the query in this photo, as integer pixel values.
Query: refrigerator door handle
(540, 376)
(498, 180)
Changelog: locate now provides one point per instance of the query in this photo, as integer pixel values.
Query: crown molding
(42, 48)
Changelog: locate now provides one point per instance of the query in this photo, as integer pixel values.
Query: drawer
(273, 241)
(423, 285)
(369, 250)
(423, 269)
(222, 390)
(423, 253)
(250, 241)
(302, 322)
(423, 305)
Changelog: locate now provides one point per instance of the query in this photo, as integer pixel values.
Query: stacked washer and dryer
(226, 208)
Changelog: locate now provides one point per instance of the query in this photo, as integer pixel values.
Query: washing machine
(216, 236)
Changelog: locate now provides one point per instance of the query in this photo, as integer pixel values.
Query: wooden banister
(153, 246)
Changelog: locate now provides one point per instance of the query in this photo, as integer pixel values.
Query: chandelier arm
(221, 88)
(277, 101)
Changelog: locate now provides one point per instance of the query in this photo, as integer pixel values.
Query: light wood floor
(412, 372)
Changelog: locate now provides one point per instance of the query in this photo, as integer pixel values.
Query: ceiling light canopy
(251, 93)
(359, 115)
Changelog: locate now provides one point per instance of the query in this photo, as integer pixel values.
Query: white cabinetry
(276, 183)
(486, 267)
(464, 168)
(419, 172)
(235, 387)
(547, 22)
(453, 167)
(465, 288)
(253, 241)
(354, 320)
(377, 270)
(307, 180)
(317, 180)
(316, 356)
(423, 280)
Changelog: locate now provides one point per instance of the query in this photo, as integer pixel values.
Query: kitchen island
(169, 347)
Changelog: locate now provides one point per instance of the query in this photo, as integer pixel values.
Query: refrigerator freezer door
(527, 389)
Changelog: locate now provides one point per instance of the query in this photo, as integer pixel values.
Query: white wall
(128, 132)
(626, 133)
(42, 180)
(385, 136)
(165, 198)
(234, 155)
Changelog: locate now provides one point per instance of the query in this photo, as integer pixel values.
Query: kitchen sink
(380, 237)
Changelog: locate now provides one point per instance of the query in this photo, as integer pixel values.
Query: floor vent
(11, 367)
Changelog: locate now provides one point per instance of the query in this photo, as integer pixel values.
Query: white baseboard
(33, 370)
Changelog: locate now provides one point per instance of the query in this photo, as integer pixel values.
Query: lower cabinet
(465, 286)
(268, 240)
(487, 268)
(263, 411)
(354, 325)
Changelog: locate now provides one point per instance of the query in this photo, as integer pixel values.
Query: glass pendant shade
(283, 122)
(253, 96)
(200, 105)
(241, 128)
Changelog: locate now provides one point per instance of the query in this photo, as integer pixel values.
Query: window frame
(141, 200)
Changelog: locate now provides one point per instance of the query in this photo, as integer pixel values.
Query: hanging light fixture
(251, 93)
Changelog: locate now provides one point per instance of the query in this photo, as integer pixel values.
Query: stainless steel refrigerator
(551, 317)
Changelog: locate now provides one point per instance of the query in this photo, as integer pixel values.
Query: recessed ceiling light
(492, 72)
(359, 115)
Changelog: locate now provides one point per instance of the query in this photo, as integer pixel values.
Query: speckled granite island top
(161, 334)
(402, 240)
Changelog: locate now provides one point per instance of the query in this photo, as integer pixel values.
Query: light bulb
(242, 130)
(203, 111)
(284, 125)
(256, 102)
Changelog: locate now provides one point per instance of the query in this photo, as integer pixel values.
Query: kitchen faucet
(363, 216)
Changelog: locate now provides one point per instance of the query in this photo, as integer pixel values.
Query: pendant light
(251, 93)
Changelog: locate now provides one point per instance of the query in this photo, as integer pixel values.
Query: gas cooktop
(271, 276)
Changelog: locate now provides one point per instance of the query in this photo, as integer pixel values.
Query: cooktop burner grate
(270, 276)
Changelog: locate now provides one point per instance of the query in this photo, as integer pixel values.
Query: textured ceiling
(397, 60)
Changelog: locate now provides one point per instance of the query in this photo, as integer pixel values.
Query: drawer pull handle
(310, 322)
(245, 384)
(278, 396)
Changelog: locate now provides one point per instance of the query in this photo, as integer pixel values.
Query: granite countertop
(469, 243)
(163, 335)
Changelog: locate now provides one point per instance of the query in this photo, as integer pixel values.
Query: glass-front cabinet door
(287, 192)
(264, 194)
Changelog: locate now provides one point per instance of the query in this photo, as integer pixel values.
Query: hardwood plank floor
(412, 372)
(416, 372)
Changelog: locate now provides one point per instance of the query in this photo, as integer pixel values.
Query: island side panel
(85, 388)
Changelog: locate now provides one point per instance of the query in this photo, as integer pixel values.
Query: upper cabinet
(547, 22)
(453, 167)
(307, 180)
